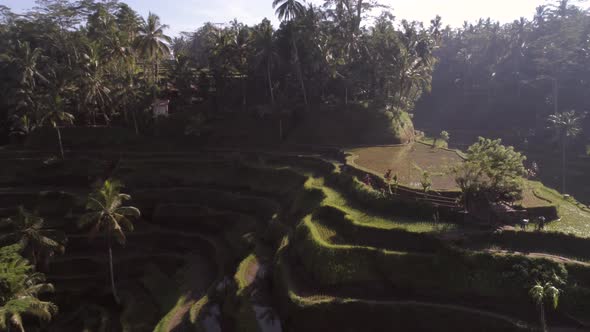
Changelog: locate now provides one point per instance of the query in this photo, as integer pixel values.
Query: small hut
(160, 107)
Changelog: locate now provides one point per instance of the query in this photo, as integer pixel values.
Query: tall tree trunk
(268, 76)
(135, 122)
(156, 70)
(555, 97)
(542, 317)
(563, 163)
(112, 273)
(243, 94)
(345, 96)
(300, 74)
(61, 148)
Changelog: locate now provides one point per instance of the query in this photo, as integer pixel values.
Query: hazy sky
(187, 15)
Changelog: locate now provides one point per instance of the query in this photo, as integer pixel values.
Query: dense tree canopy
(108, 64)
(492, 172)
(510, 77)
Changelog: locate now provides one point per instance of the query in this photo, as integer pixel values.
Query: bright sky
(187, 15)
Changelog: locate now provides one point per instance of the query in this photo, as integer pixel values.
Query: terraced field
(274, 242)
(409, 161)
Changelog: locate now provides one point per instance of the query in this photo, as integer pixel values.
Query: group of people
(540, 221)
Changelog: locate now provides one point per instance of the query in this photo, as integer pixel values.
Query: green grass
(575, 217)
(430, 141)
(243, 275)
(336, 199)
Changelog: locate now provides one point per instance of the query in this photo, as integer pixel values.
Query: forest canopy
(102, 63)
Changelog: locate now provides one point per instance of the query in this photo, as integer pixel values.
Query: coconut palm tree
(95, 92)
(38, 244)
(107, 214)
(565, 125)
(152, 43)
(266, 54)
(24, 301)
(541, 293)
(56, 117)
(287, 11)
(26, 60)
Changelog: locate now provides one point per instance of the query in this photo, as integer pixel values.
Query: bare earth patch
(409, 162)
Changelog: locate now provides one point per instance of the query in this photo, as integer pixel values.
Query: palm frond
(128, 211)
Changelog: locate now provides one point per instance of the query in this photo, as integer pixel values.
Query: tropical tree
(492, 172)
(37, 243)
(241, 43)
(266, 54)
(445, 136)
(21, 288)
(152, 43)
(566, 125)
(56, 117)
(544, 293)
(287, 11)
(26, 60)
(107, 215)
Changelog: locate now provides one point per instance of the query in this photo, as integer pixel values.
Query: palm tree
(287, 11)
(263, 39)
(37, 243)
(240, 46)
(108, 215)
(26, 60)
(566, 125)
(151, 41)
(57, 117)
(95, 93)
(25, 302)
(540, 294)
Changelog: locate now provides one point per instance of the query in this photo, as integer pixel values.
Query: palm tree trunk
(555, 97)
(272, 95)
(156, 72)
(346, 96)
(243, 94)
(61, 148)
(299, 73)
(563, 163)
(135, 122)
(542, 317)
(112, 273)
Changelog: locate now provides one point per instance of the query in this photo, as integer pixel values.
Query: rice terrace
(331, 167)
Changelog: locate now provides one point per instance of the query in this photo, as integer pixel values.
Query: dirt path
(505, 318)
(555, 258)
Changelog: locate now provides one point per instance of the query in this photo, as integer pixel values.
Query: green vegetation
(492, 172)
(278, 174)
(567, 125)
(20, 291)
(108, 215)
(37, 243)
(335, 199)
(541, 294)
